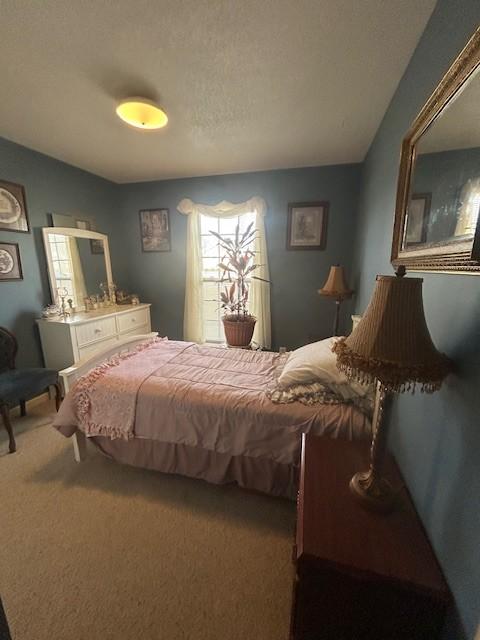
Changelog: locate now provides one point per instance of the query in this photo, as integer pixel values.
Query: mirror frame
(453, 257)
(76, 233)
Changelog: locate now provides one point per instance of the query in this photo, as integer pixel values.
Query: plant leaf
(247, 231)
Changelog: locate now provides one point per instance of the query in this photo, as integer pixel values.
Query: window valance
(224, 209)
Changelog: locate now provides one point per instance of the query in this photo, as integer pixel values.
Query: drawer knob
(98, 331)
(133, 319)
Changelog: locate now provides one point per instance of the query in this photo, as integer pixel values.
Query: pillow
(313, 393)
(318, 393)
(316, 362)
(312, 363)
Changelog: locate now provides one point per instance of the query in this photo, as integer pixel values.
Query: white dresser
(83, 334)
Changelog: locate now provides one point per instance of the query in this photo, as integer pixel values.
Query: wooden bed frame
(79, 369)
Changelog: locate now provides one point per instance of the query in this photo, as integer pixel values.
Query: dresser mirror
(78, 263)
(437, 225)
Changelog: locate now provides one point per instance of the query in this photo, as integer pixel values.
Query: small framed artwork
(10, 265)
(96, 247)
(13, 208)
(417, 220)
(307, 225)
(155, 229)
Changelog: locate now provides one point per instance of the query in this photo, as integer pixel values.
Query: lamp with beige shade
(336, 287)
(391, 346)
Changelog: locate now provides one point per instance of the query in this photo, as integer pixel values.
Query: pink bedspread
(214, 398)
(105, 400)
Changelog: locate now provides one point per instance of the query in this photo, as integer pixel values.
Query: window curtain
(259, 291)
(469, 208)
(78, 280)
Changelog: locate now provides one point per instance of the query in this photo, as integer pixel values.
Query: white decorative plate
(6, 262)
(10, 209)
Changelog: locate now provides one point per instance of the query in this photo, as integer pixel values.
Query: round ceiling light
(142, 113)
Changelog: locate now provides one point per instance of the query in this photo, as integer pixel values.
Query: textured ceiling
(247, 84)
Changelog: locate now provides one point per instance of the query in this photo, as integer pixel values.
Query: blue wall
(435, 438)
(50, 186)
(299, 314)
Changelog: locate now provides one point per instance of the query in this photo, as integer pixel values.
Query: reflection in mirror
(79, 266)
(444, 202)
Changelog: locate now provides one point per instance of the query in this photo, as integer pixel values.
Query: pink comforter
(209, 397)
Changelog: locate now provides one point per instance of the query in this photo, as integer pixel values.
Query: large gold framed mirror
(437, 222)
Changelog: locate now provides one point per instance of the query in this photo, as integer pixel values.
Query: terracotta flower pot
(239, 330)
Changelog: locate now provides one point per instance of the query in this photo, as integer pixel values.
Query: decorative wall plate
(13, 208)
(10, 265)
(6, 262)
(10, 208)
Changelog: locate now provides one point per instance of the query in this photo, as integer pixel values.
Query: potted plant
(237, 266)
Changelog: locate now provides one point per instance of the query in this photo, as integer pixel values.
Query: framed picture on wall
(155, 229)
(307, 225)
(10, 265)
(83, 224)
(13, 208)
(417, 220)
(96, 247)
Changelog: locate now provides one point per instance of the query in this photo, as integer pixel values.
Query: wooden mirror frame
(458, 256)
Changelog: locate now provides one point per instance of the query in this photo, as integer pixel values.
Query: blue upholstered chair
(19, 385)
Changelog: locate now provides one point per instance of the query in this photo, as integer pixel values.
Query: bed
(196, 410)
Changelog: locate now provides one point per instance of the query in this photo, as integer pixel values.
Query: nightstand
(360, 574)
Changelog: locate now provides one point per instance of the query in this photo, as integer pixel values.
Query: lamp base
(375, 493)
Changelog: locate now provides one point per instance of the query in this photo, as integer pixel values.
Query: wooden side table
(360, 574)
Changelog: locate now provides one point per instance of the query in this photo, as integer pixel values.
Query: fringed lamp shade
(336, 285)
(391, 343)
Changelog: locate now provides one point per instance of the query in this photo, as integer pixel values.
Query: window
(211, 274)
(469, 208)
(202, 267)
(62, 264)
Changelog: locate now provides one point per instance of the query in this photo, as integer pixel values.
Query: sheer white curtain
(193, 326)
(469, 208)
(78, 279)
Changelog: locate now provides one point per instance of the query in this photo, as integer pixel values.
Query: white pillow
(314, 362)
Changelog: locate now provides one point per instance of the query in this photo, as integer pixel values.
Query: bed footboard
(79, 446)
(79, 369)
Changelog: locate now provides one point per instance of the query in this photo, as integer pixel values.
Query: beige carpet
(104, 551)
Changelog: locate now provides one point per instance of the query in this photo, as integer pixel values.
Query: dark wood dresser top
(333, 529)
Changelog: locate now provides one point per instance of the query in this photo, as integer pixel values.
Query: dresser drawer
(87, 352)
(138, 331)
(132, 320)
(93, 331)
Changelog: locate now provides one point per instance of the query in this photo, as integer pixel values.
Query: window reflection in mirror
(78, 266)
(444, 198)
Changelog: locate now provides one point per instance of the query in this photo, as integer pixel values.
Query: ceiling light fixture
(142, 113)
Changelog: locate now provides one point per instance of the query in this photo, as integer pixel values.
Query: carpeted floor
(103, 551)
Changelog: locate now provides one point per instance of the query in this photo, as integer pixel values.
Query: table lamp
(336, 287)
(391, 347)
